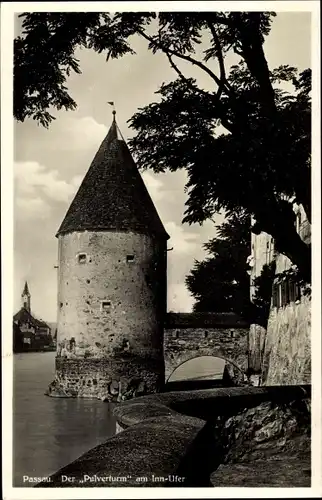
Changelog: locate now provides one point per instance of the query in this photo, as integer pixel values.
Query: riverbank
(36, 349)
(188, 438)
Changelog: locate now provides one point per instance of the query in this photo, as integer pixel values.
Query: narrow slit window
(274, 295)
(297, 293)
(82, 257)
(287, 291)
(292, 291)
(279, 295)
(105, 305)
(130, 258)
(283, 294)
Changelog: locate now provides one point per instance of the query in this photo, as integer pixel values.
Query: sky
(49, 164)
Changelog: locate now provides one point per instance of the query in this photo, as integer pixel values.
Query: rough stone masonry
(111, 283)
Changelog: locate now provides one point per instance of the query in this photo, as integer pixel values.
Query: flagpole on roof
(111, 103)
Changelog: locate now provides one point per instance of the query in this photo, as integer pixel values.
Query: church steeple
(113, 196)
(26, 297)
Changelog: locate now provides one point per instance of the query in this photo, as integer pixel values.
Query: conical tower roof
(25, 290)
(113, 196)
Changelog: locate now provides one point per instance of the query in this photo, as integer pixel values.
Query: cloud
(38, 189)
(185, 244)
(154, 186)
(182, 241)
(79, 133)
(34, 180)
(31, 208)
(179, 298)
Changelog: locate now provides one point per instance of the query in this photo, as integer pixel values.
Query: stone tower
(111, 283)
(26, 297)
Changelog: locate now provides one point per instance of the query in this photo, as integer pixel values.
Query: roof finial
(25, 290)
(113, 112)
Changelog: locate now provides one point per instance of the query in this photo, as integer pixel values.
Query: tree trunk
(278, 221)
(253, 53)
(290, 244)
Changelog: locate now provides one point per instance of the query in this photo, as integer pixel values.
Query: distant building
(28, 331)
(18, 344)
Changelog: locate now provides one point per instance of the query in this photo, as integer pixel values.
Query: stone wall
(287, 353)
(109, 380)
(111, 303)
(282, 353)
(184, 344)
(257, 336)
(268, 445)
(262, 248)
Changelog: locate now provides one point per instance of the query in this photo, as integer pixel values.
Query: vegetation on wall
(245, 143)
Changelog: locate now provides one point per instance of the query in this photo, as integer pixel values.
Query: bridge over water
(189, 336)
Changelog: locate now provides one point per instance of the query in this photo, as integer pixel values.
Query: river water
(51, 432)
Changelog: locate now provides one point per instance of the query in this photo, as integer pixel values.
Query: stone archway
(173, 362)
(200, 367)
(221, 335)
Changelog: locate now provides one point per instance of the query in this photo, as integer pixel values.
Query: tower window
(130, 258)
(82, 257)
(105, 305)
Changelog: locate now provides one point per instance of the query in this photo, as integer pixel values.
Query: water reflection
(48, 432)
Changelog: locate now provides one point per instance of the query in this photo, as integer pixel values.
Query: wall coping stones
(204, 320)
(166, 435)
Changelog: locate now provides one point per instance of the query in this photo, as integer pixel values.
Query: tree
(261, 302)
(220, 283)
(245, 144)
